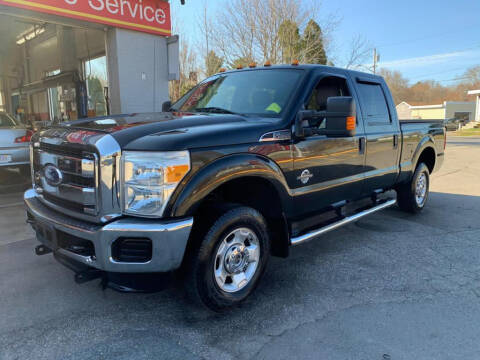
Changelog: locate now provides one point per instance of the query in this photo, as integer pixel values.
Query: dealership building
(69, 59)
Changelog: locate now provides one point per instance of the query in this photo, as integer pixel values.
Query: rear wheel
(230, 260)
(413, 196)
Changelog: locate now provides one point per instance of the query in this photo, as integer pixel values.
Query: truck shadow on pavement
(443, 214)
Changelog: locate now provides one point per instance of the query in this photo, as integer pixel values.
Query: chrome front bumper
(169, 238)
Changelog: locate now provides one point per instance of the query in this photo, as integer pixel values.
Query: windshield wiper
(216, 110)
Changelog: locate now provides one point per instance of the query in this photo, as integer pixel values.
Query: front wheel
(231, 259)
(413, 196)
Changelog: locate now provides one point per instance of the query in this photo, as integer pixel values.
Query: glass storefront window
(97, 81)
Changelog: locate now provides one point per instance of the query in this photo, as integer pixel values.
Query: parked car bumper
(63, 234)
(16, 156)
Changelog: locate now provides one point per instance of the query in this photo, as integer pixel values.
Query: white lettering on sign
(125, 7)
(151, 18)
(98, 7)
(112, 6)
(160, 16)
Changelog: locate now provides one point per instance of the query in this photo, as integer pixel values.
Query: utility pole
(376, 59)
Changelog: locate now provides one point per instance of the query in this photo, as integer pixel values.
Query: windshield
(6, 120)
(262, 92)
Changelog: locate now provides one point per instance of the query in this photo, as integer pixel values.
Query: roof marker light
(295, 62)
(267, 63)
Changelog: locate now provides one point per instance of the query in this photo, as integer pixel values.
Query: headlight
(149, 179)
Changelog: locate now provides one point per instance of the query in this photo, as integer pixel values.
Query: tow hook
(42, 250)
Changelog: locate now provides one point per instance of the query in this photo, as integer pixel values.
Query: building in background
(64, 60)
(403, 111)
(477, 102)
(463, 111)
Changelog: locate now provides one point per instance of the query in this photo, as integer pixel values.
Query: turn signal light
(25, 138)
(174, 174)
(351, 122)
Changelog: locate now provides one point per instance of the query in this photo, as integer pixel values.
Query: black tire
(406, 193)
(201, 284)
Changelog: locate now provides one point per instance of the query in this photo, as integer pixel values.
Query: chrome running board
(314, 233)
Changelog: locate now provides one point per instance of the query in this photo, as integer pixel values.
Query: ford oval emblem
(53, 175)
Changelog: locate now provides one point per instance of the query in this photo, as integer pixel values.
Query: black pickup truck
(247, 164)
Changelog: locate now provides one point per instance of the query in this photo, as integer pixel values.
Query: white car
(14, 144)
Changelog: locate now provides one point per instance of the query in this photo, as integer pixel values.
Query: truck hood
(172, 132)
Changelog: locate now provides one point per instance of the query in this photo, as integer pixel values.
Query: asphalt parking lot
(392, 286)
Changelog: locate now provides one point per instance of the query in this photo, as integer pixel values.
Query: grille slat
(76, 152)
(78, 180)
(67, 204)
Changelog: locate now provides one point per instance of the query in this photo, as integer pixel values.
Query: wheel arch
(243, 179)
(426, 153)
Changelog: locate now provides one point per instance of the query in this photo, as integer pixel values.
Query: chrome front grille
(88, 163)
(78, 189)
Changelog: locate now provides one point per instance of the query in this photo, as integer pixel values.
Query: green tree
(289, 39)
(312, 46)
(213, 63)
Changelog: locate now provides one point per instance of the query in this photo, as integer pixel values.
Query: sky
(422, 39)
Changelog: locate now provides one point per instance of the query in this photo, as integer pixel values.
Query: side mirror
(340, 119)
(299, 128)
(341, 116)
(166, 106)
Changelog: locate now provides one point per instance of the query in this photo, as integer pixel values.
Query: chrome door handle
(361, 145)
(395, 141)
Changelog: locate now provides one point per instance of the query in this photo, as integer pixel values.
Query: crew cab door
(327, 170)
(382, 133)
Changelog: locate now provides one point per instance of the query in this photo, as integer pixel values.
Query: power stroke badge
(305, 176)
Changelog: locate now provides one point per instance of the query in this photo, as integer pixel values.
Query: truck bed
(416, 132)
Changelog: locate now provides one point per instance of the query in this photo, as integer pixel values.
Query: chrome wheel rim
(236, 260)
(421, 189)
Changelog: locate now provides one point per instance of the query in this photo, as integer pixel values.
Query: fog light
(132, 250)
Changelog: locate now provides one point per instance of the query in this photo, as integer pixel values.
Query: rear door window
(374, 104)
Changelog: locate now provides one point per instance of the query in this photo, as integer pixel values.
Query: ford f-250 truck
(247, 164)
